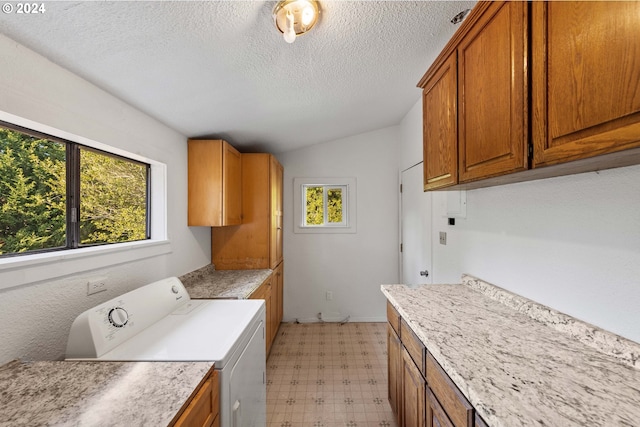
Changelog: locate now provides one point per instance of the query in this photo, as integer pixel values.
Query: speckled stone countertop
(520, 363)
(209, 283)
(96, 393)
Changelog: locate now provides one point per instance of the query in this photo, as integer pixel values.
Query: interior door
(415, 227)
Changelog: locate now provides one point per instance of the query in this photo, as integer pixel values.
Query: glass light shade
(295, 17)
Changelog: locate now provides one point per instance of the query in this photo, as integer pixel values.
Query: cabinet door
(492, 84)
(440, 145)
(214, 188)
(436, 417)
(413, 393)
(394, 368)
(232, 185)
(585, 79)
(205, 182)
(275, 177)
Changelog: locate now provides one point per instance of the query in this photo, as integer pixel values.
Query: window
(325, 205)
(56, 194)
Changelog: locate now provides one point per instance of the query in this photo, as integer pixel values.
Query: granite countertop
(96, 393)
(521, 363)
(209, 283)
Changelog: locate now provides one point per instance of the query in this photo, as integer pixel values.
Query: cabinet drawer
(393, 317)
(414, 346)
(456, 406)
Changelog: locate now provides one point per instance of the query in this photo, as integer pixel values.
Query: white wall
(352, 266)
(36, 317)
(572, 243)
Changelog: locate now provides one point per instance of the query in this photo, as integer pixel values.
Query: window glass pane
(334, 205)
(113, 199)
(314, 205)
(32, 193)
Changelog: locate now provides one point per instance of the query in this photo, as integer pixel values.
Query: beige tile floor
(328, 375)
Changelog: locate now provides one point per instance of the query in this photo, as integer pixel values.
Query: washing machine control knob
(118, 317)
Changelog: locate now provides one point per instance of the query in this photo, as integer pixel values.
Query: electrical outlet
(443, 238)
(96, 285)
(329, 296)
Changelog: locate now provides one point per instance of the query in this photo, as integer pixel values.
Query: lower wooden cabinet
(203, 410)
(422, 396)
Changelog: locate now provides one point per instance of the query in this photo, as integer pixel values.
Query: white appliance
(160, 322)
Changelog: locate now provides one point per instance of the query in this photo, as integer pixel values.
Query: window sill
(16, 271)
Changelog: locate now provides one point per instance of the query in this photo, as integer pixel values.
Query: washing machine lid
(160, 322)
(213, 330)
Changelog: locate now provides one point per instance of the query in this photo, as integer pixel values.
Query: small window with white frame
(325, 205)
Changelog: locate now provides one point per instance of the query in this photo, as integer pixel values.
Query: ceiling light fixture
(295, 17)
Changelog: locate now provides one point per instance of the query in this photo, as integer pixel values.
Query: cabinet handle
(424, 273)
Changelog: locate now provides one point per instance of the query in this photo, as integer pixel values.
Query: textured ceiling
(220, 68)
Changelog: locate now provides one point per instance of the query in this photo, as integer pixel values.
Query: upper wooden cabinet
(474, 103)
(257, 243)
(586, 79)
(492, 83)
(215, 183)
(525, 85)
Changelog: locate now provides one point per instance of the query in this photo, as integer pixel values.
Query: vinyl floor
(328, 375)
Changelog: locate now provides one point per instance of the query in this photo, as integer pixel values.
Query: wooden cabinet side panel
(200, 409)
(279, 280)
(215, 395)
(585, 79)
(492, 89)
(204, 182)
(394, 372)
(275, 188)
(232, 185)
(247, 246)
(413, 393)
(440, 145)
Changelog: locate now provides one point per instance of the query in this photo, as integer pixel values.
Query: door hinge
(400, 247)
(401, 188)
(530, 150)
